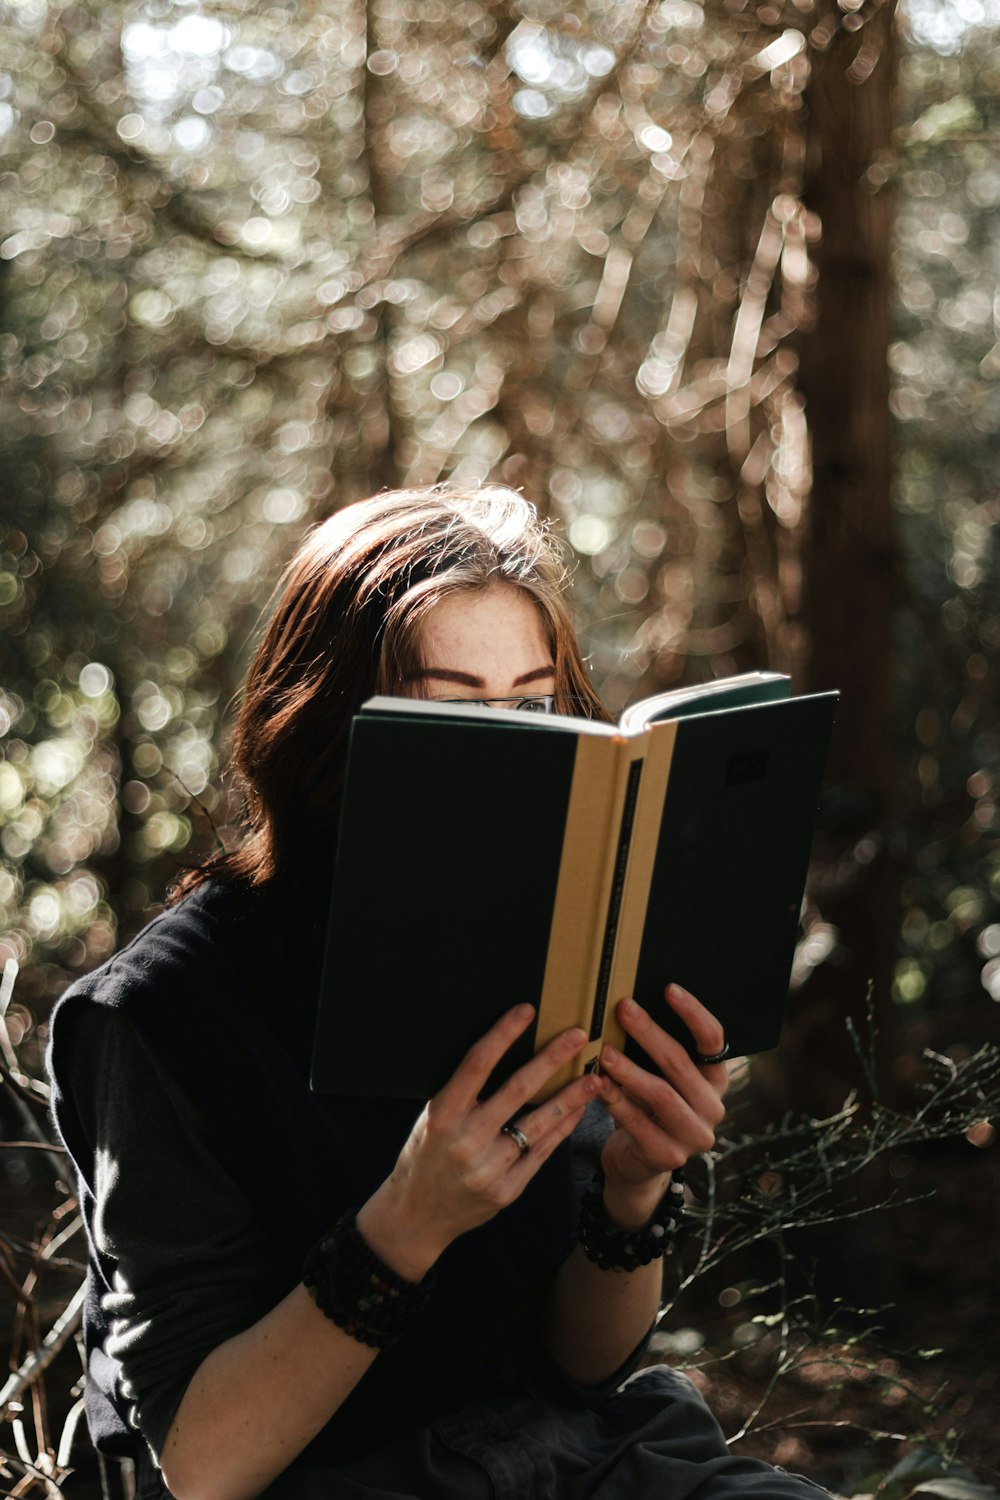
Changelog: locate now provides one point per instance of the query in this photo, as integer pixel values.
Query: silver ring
(518, 1137)
(716, 1057)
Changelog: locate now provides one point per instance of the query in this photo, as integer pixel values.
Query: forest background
(715, 284)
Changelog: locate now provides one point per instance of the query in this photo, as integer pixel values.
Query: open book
(488, 857)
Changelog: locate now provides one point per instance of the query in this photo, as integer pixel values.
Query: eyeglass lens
(540, 704)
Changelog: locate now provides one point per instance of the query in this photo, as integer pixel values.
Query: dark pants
(655, 1439)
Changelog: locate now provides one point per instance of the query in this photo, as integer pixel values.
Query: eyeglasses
(542, 703)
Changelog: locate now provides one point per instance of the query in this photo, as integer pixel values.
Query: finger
(465, 1085)
(552, 1114)
(705, 1028)
(701, 1087)
(524, 1167)
(693, 1119)
(658, 1147)
(526, 1082)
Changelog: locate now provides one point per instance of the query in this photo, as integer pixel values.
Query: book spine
(643, 844)
(611, 924)
(582, 897)
(592, 894)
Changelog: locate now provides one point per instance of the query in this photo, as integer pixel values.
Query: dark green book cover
(448, 860)
(457, 852)
(731, 865)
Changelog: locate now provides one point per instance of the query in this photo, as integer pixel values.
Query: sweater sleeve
(180, 1260)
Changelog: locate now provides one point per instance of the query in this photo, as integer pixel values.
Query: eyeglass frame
(514, 704)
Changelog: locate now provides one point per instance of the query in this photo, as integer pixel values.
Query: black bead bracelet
(615, 1248)
(358, 1291)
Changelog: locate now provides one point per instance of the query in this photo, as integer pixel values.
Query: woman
(315, 1297)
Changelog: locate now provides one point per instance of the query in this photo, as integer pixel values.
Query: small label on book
(749, 765)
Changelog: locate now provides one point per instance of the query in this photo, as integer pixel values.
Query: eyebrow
(466, 679)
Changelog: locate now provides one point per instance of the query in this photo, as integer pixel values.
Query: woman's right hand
(458, 1169)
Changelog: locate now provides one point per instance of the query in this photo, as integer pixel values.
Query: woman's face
(485, 644)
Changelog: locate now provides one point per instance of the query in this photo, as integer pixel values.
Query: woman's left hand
(661, 1119)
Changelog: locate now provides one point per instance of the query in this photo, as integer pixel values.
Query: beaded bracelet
(358, 1291)
(615, 1248)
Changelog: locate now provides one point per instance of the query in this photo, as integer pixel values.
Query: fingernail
(610, 1055)
(629, 1008)
(679, 992)
(523, 1012)
(577, 1036)
(591, 1085)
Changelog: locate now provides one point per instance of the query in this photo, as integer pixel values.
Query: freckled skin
(495, 638)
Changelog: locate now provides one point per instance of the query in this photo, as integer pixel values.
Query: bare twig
(39, 1359)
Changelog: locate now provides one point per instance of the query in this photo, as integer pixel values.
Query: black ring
(717, 1057)
(518, 1137)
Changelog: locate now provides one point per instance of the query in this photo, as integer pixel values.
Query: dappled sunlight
(258, 270)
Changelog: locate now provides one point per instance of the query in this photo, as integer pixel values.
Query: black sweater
(207, 1168)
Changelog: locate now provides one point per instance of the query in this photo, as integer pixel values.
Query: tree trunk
(850, 557)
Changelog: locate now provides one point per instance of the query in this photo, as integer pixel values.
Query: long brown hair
(347, 625)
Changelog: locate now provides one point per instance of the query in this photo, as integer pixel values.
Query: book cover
(488, 857)
(731, 864)
(448, 862)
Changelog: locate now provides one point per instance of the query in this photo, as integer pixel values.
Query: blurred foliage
(946, 363)
(250, 275)
(259, 261)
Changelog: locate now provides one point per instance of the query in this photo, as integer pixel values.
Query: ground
(824, 1416)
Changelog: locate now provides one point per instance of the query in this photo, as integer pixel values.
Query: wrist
(357, 1290)
(625, 1247)
(396, 1236)
(632, 1205)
